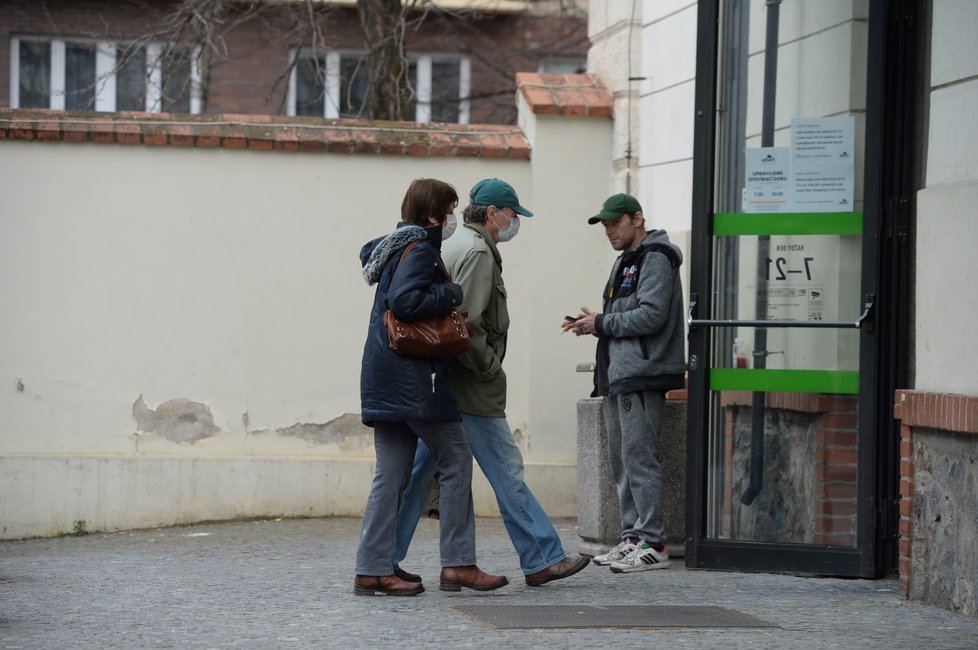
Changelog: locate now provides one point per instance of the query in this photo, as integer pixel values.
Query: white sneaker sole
(617, 567)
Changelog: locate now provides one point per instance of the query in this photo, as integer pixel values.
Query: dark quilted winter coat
(395, 388)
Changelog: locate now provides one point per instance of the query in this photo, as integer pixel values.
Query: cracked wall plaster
(520, 439)
(178, 420)
(346, 431)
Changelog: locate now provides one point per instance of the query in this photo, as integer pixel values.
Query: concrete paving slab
(288, 584)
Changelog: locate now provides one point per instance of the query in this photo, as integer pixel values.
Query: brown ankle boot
(453, 578)
(406, 576)
(385, 586)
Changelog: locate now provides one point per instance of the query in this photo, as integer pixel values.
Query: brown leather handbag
(441, 337)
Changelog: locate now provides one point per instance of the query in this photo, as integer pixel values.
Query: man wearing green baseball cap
(640, 356)
(616, 206)
(479, 384)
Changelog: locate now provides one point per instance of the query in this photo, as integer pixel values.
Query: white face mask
(510, 232)
(448, 229)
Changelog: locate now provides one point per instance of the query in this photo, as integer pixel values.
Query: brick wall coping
(580, 95)
(943, 411)
(266, 133)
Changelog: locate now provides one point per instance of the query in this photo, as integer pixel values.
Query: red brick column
(729, 424)
(836, 470)
(907, 489)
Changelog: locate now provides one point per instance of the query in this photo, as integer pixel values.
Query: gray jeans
(633, 421)
(395, 444)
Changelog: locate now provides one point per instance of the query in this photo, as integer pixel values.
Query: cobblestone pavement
(288, 584)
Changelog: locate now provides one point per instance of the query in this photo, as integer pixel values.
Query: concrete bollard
(598, 521)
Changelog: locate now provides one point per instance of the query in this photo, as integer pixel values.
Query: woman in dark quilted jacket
(407, 398)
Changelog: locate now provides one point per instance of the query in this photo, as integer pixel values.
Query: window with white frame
(335, 85)
(441, 88)
(103, 76)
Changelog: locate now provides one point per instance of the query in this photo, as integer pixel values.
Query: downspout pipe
(763, 252)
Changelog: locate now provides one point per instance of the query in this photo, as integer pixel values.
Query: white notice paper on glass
(822, 153)
(767, 187)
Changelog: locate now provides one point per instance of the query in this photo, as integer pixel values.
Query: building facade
(277, 58)
(875, 474)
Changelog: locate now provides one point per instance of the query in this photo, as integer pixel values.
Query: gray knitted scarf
(392, 243)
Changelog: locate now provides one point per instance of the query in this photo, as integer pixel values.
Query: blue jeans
(534, 537)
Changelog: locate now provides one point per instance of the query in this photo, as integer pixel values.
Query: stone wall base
(46, 496)
(939, 498)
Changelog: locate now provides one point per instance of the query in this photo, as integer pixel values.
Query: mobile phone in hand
(572, 319)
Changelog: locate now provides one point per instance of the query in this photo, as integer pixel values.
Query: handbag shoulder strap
(441, 264)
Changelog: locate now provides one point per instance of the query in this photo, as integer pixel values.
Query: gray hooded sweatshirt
(640, 330)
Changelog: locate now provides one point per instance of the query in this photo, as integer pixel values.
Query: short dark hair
(427, 197)
(475, 214)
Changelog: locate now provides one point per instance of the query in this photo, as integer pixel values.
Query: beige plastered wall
(183, 327)
(946, 264)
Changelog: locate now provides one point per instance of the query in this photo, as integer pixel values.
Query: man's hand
(584, 323)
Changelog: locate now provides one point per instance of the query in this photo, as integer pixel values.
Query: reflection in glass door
(780, 324)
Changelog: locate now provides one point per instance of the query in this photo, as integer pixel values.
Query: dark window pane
(130, 81)
(176, 82)
(444, 91)
(310, 87)
(413, 81)
(353, 85)
(35, 74)
(80, 76)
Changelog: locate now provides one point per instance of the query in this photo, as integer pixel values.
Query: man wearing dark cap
(479, 383)
(640, 356)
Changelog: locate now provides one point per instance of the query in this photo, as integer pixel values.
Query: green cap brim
(604, 216)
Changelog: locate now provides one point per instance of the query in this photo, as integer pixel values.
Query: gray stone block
(598, 522)
(944, 532)
(672, 456)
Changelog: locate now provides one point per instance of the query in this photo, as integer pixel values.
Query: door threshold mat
(610, 616)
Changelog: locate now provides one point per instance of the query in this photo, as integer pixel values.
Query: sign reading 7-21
(794, 291)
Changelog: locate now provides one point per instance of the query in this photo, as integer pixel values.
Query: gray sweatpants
(395, 444)
(633, 421)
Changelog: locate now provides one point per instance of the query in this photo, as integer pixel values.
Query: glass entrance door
(782, 347)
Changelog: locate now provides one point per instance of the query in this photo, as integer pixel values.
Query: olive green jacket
(477, 376)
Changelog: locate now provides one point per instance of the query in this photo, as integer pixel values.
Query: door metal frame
(888, 189)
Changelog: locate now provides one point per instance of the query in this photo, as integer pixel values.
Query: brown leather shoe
(453, 578)
(566, 567)
(385, 586)
(406, 576)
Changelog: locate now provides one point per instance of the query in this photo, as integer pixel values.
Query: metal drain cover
(589, 616)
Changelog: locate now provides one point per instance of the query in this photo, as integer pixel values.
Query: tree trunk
(388, 91)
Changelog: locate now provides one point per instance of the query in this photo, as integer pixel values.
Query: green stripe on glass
(788, 223)
(785, 381)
